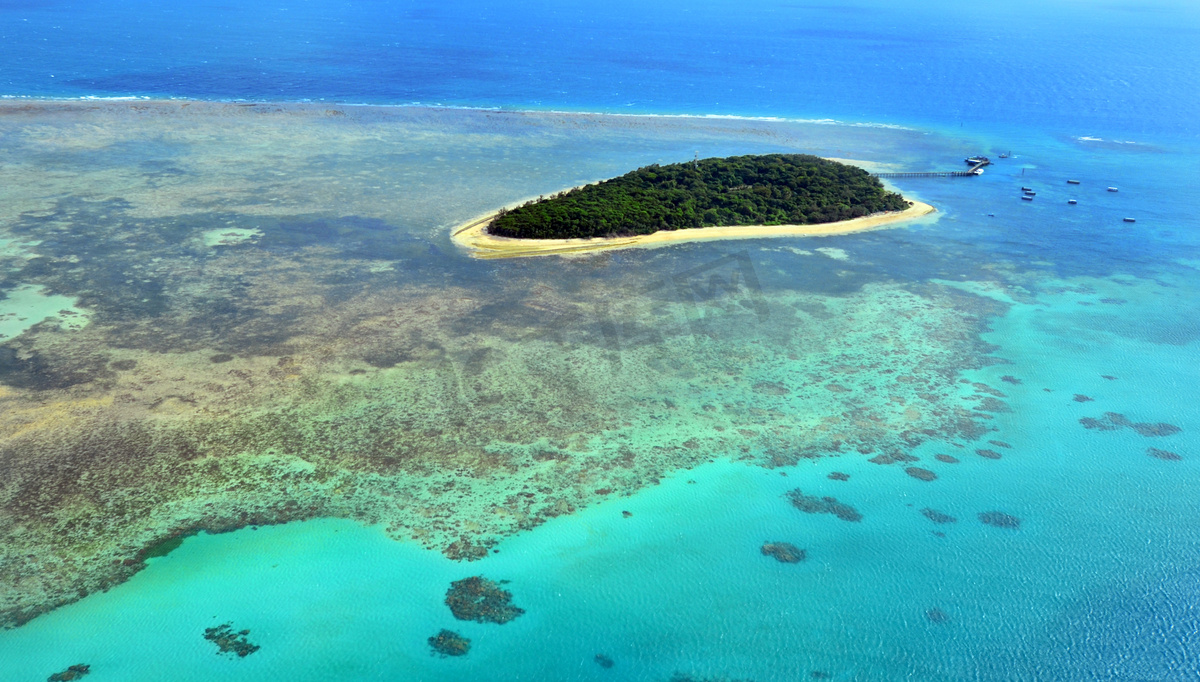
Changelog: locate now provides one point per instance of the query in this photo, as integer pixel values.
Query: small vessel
(1130, 220)
(1030, 194)
(1112, 189)
(1072, 201)
(1072, 182)
(974, 160)
(1005, 155)
(1026, 189)
(1027, 197)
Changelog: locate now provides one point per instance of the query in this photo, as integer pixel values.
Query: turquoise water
(432, 391)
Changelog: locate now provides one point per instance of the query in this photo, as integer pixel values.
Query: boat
(977, 171)
(1027, 198)
(1112, 189)
(1030, 194)
(1130, 220)
(1072, 201)
(1005, 155)
(1026, 189)
(1072, 182)
(975, 160)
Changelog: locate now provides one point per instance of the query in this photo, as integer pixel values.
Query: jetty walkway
(975, 169)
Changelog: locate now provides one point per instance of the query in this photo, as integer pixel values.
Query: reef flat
(277, 327)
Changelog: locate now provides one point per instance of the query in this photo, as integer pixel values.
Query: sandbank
(473, 235)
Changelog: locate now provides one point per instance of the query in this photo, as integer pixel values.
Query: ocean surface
(246, 377)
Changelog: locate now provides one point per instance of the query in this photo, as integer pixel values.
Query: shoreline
(472, 237)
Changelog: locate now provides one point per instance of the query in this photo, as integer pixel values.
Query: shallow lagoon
(352, 364)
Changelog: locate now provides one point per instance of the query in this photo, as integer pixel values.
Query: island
(719, 198)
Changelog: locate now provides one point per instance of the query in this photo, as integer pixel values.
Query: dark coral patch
(838, 476)
(122, 365)
(1156, 429)
(72, 673)
(811, 504)
(603, 661)
(220, 358)
(937, 516)
(1163, 454)
(936, 615)
(1081, 398)
(784, 552)
(1112, 421)
(481, 600)
(993, 405)
(770, 388)
(892, 458)
(921, 474)
(450, 643)
(1000, 519)
(1010, 379)
(948, 459)
(1108, 376)
(990, 454)
(1000, 444)
(230, 642)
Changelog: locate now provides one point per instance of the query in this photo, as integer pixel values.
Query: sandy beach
(473, 235)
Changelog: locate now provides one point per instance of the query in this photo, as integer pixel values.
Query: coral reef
(1113, 421)
(1010, 379)
(1000, 444)
(811, 504)
(481, 600)
(1163, 454)
(74, 672)
(450, 643)
(921, 474)
(937, 516)
(948, 459)
(603, 661)
(838, 476)
(333, 360)
(892, 458)
(988, 454)
(1000, 519)
(1081, 398)
(230, 642)
(936, 615)
(784, 552)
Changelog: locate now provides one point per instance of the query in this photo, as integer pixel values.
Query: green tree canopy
(770, 189)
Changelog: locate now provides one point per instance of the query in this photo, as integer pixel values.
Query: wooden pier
(976, 169)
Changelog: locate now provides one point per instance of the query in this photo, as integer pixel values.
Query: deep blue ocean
(1077, 67)
(1083, 315)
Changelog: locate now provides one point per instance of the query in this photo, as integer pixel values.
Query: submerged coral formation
(603, 661)
(1167, 455)
(811, 504)
(921, 474)
(336, 360)
(481, 600)
(936, 615)
(450, 643)
(230, 642)
(784, 552)
(1113, 421)
(999, 519)
(74, 672)
(937, 516)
